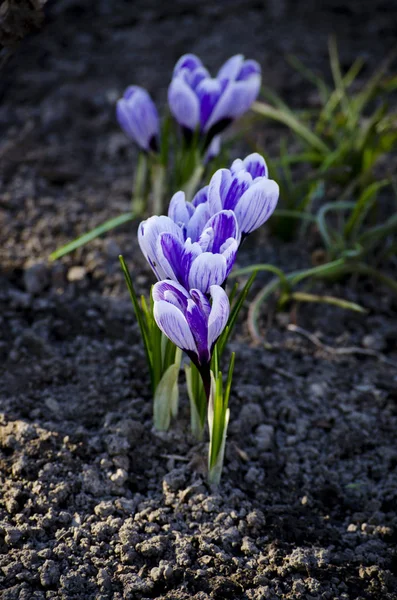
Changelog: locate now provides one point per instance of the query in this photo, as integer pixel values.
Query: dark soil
(95, 504)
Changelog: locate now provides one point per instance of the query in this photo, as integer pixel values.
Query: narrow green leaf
(293, 123)
(340, 302)
(92, 235)
(362, 207)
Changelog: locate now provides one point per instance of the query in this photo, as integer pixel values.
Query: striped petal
(219, 314)
(257, 204)
(206, 270)
(174, 325)
(184, 104)
(148, 234)
(218, 188)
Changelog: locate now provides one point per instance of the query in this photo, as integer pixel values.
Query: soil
(96, 504)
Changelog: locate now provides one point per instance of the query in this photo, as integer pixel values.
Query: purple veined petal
(197, 223)
(219, 117)
(208, 92)
(219, 314)
(172, 292)
(197, 322)
(231, 68)
(237, 165)
(241, 96)
(202, 301)
(196, 77)
(239, 185)
(174, 325)
(213, 149)
(257, 204)
(176, 258)
(250, 67)
(229, 252)
(184, 104)
(223, 226)
(138, 117)
(179, 210)
(255, 165)
(236, 99)
(206, 270)
(218, 188)
(148, 234)
(187, 61)
(130, 91)
(201, 196)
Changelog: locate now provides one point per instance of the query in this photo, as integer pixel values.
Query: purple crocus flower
(190, 321)
(194, 264)
(138, 117)
(198, 101)
(246, 190)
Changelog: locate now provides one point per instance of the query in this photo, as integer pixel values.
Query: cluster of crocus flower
(192, 251)
(198, 102)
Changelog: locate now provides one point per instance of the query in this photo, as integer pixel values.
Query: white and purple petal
(138, 117)
(184, 104)
(249, 67)
(218, 188)
(231, 68)
(202, 301)
(219, 314)
(171, 291)
(198, 221)
(179, 210)
(174, 325)
(239, 184)
(148, 234)
(255, 165)
(257, 204)
(224, 226)
(206, 270)
(208, 92)
(189, 62)
(229, 252)
(198, 323)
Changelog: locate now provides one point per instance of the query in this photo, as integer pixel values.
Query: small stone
(119, 477)
(76, 273)
(352, 527)
(104, 509)
(250, 416)
(264, 436)
(49, 574)
(36, 278)
(374, 342)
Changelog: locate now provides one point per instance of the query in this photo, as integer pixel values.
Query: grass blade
(92, 235)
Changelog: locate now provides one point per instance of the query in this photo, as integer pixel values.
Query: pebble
(76, 273)
(264, 436)
(36, 278)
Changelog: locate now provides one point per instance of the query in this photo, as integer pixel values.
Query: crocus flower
(246, 190)
(189, 319)
(138, 117)
(198, 101)
(194, 264)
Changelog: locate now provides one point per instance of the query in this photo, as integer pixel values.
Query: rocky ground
(95, 504)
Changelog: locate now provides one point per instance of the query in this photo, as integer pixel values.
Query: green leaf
(140, 317)
(362, 207)
(165, 400)
(92, 235)
(293, 123)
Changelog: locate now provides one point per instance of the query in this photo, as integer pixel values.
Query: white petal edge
(257, 204)
(219, 314)
(184, 104)
(173, 324)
